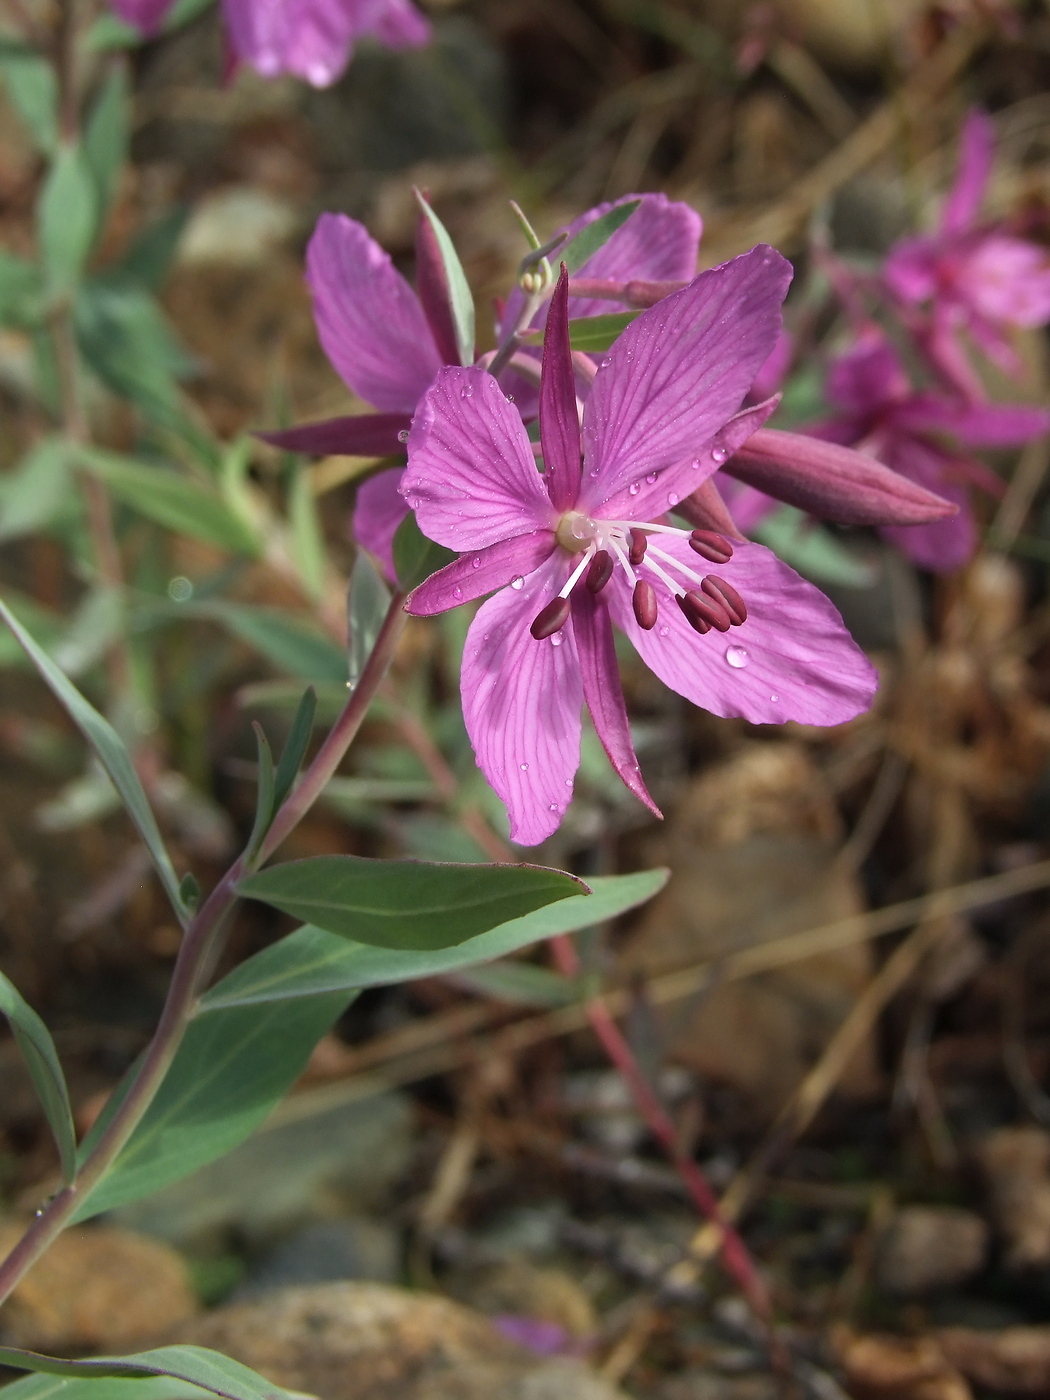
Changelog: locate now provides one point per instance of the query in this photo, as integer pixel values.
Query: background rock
(365, 1341)
(1016, 1164)
(929, 1247)
(326, 1251)
(96, 1287)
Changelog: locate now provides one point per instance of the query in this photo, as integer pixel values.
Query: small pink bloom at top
(921, 436)
(968, 276)
(311, 39)
(585, 545)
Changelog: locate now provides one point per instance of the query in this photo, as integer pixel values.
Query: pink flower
(971, 278)
(388, 342)
(915, 433)
(585, 545)
(312, 39)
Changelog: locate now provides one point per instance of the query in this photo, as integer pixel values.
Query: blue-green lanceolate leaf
(209, 1371)
(592, 333)
(231, 1070)
(286, 639)
(596, 234)
(407, 904)
(811, 548)
(175, 501)
(21, 292)
(41, 1057)
(124, 337)
(106, 137)
(37, 491)
(110, 749)
(310, 962)
(45, 1387)
(366, 607)
(67, 220)
(458, 287)
(29, 80)
(255, 1030)
(415, 556)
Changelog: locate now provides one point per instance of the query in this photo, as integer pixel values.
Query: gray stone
(926, 1248)
(326, 1251)
(297, 1168)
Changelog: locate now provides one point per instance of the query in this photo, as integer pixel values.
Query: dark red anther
(600, 571)
(638, 540)
(727, 597)
(645, 605)
(550, 619)
(703, 613)
(716, 549)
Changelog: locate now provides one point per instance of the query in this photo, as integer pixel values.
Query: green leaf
(596, 333)
(307, 538)
(587, 242)
(124, 337)
(406, 904)
(209, 1370)
(110, 749)
(310, 962)
(458, 286)
(172, 500)
(21, 292)
(67, 218)
(41, 1057)
(148, 261)
(106, 137)
(94, 627)
(30, 82)
(232, 1068)
(38, 491)
(367, 605)
(295, 747)
(41, 1387)
(416, 557)
(524, 984)
(283, 638)
(812, 549)
(264, 806)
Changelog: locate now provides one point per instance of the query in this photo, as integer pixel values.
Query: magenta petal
(521, 704)
(833, 482)
(378, 510)
(432, 286)
(977, 147)
(357, 435)
(910, 270)
(311, 38)
(792, 658)
(559, 416)
(398, 25)
(603, 692)
(867, 376)
(944, 545)
(1007, 280)
(708, 508)
(473, 575)
(144, 15)
(368, 318)
(673, 379)
(973, 424)
(471, 476)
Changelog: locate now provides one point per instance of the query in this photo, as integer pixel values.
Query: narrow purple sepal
(976, 152)
(559, 416)
(432, 289)
(483, 571)
(603, 692)
(832, 482)
(706, 509)
(973, 424)
(356, 435)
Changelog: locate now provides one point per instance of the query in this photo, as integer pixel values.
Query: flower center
(603, 545)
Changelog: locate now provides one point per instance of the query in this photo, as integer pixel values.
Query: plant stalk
(200, 947)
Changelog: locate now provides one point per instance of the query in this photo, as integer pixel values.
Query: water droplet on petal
(510, 398)
(718, 454)
(557, 639)
(737, 657)
(634, 488)
(524, 767)
(695, 464)
(568, 782)
(554, 806)
(664, 632)
(457, 592)
(518, 582)
(475, 563)
(774, 697)
(403, 435)
(672, 499)
(606, 362)
(651, 477)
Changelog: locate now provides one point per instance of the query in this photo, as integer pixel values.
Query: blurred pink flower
(972, 278)
(919, 435)
(585, 544)
(312, 39)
